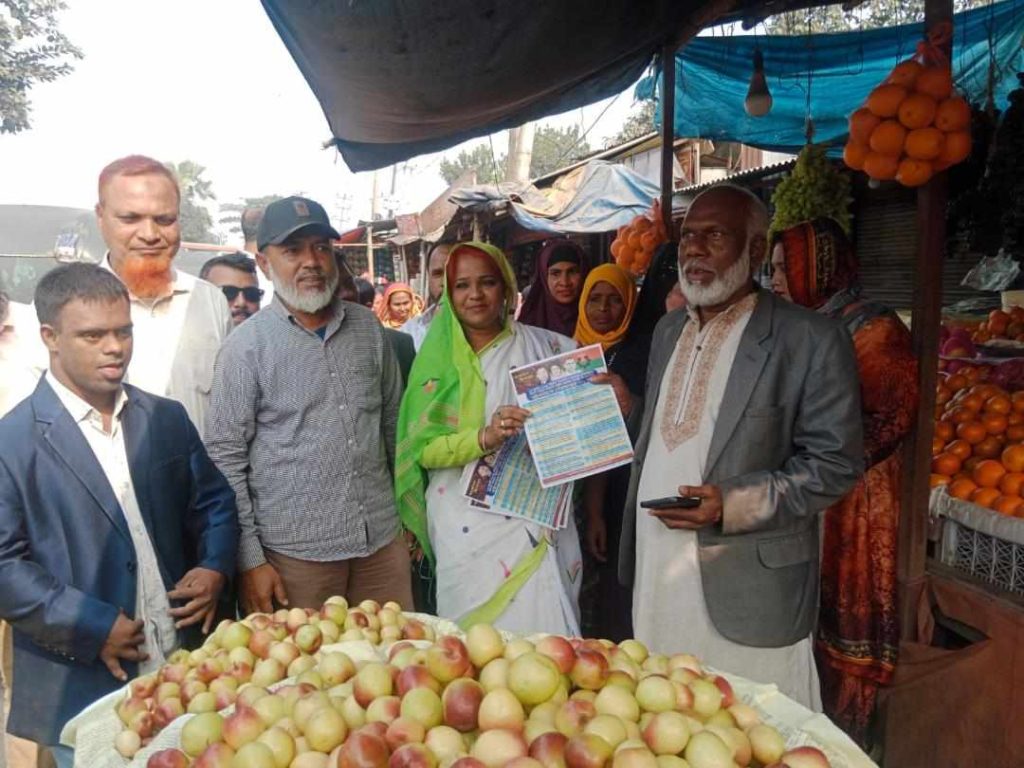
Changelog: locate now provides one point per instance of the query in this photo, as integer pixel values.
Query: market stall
(591, 204)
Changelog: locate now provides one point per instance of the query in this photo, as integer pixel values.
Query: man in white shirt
(418, 326)
(179, 321)
(117, 532)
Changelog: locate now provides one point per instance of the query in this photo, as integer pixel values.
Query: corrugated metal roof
(751, 174)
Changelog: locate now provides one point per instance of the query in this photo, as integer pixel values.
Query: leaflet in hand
(506, 483)
(576, 428)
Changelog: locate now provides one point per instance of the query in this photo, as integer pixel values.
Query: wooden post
(927, 318)
(668, 126)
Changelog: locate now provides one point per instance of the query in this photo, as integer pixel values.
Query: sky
(209, 81)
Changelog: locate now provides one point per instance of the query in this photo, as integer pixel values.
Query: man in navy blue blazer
(117, 532)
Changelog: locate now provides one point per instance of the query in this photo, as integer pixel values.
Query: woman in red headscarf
(398, 305)
(858, 627)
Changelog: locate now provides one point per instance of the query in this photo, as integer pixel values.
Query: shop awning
(398, 78)
(596, 197)
(713, 74)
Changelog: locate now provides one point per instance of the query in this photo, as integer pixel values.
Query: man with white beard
(302, 423)
(752, 420)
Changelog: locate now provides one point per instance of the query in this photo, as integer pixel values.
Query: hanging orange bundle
(914, 124)
(636, 242)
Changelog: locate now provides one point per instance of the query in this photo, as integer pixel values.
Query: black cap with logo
(283, 218)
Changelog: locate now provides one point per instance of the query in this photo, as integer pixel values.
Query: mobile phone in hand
(668, 502)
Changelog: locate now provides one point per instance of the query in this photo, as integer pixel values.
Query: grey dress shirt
(304, 430)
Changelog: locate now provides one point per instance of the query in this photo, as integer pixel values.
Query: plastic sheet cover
(398, 78)
(713, 75)
(596, 197)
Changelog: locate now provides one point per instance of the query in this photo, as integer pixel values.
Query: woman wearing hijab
(858, 628)
(630, 359)
(553, 299)
(606, 310)
(398, 305)
(458, 407)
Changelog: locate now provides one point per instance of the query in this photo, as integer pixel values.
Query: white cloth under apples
(669, 612)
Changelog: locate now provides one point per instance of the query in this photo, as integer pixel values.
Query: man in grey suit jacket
(752, 407)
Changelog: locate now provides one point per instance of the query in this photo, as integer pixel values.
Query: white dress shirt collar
(77, 407)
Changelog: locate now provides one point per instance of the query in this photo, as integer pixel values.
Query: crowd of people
(186, 451)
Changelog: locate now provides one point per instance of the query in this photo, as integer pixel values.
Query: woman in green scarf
(459, 407)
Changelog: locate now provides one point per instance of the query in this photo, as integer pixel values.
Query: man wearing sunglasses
(235, 275)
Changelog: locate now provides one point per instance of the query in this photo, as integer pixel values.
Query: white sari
(476, 551)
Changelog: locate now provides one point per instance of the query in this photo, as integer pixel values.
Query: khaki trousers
(382, 576)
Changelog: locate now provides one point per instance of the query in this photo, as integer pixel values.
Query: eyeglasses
(250, 294)
(714, 237)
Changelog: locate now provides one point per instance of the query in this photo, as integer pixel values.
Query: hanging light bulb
(759, 101)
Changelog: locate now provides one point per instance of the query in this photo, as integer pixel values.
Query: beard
(147, 277)
(304, 301)
(721, 288)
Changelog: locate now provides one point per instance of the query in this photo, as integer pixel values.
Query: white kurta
(152, 605)
(669, 611)
(177, 337)
(476, 551)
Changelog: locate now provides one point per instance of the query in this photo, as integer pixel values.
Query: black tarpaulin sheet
(399, 78)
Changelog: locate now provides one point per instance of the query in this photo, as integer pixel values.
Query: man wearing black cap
(302, 423)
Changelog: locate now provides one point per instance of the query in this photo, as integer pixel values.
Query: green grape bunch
(815, 188)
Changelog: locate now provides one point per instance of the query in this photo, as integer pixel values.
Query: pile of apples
(258, 651)
(481, 702)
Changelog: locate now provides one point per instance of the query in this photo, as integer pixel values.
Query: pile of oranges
(1001, 325)
(635, 243)
(978, 448)
(911, 126)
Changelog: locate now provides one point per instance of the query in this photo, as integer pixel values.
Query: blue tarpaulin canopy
(596, 197)
(837, 70)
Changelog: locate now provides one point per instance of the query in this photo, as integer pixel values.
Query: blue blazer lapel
(746, 369)
(66, 439)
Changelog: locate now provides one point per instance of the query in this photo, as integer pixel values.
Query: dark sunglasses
(250, 294)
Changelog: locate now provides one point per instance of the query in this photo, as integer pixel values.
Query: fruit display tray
(978, 541)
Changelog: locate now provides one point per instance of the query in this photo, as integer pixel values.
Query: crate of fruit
(978, 541)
